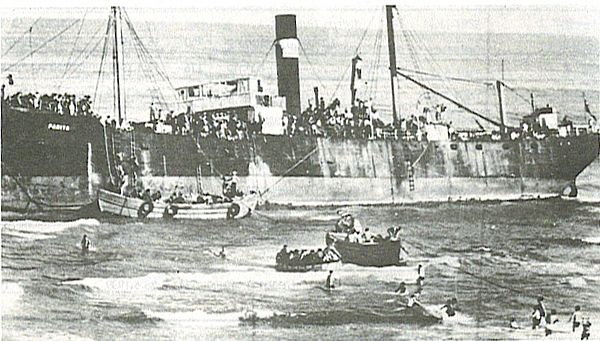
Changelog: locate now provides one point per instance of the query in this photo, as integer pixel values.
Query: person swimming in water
(85, 244)
(221, 253)
(449, 308)
(513, 324)
(402, 290)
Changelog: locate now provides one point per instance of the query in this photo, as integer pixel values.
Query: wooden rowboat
(383, 252)
(121, 205)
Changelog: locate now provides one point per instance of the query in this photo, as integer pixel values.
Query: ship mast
(392, 54)
(117, 59)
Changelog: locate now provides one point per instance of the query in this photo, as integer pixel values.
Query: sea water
(161, 280)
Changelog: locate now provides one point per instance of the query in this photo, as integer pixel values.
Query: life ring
(170, 211)
(233, 210)
(145, 209)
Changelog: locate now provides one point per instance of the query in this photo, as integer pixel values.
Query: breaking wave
(36, 230)
(11, 295)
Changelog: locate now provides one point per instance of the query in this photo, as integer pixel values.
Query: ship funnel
(286, 55)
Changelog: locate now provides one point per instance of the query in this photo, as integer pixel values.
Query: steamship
(53, 160)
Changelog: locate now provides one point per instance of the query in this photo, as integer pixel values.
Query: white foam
(447, 260)
(196, 318)
(25, 334)
(250, 279)
(593, 278)
(576, 282)
(591, 240)
(35, 230)
(11, 295)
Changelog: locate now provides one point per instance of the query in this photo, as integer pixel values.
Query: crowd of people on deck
(305, 257)
(61, 104)
(223, 125)
(321, 120)
(361, 121)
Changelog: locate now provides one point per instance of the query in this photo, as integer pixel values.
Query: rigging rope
(372, 86)
(516, 93)
(150, 75)
(124, 99)
(281, 177)
(31, 49)
(457, 79)
(70, 65)
(74, 44)
(145, 50)
(311, 65)
(267, 54)
(41, 46)
(356, 51)
(147, 58)
(20, 37)
(102, 59)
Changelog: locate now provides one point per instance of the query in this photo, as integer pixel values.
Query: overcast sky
(554, 17)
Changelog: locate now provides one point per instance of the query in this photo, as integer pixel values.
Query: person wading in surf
(85, 244)
(329, 283)
(576, 318)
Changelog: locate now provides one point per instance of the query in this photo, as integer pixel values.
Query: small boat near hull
(121, 205)
(384, 252)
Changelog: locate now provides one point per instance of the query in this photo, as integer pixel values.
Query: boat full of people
(306, 260)
(361, 247)
(233, 204)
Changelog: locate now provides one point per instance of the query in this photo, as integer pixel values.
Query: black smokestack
(286, 55)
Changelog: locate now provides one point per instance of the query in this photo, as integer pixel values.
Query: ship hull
(67, 167)
(306, 170)
(50, 161)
